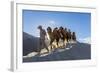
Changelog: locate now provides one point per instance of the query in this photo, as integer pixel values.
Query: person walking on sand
(42, 39)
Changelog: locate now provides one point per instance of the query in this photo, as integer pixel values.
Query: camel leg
(51, 44)
(46, 47)
(57, 44)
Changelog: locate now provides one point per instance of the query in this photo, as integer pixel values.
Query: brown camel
(63, 35)
(69, 35)
(53, 35)
(56, 35)
(73, 36)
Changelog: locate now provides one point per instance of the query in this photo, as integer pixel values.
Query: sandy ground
(73, 51)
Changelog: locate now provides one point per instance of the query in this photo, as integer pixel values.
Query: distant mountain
(30, 43)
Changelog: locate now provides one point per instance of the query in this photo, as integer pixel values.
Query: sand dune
(73, 51)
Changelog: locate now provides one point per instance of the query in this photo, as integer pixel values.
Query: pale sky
(77, 22)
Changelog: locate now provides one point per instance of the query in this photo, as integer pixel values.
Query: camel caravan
(59, 37)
